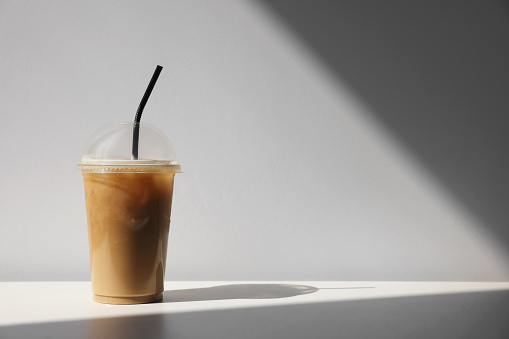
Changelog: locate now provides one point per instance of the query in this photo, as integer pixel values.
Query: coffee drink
(128, 215)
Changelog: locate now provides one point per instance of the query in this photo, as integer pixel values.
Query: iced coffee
(128, 223)
(128, 204)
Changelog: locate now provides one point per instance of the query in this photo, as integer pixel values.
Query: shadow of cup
(238, 291)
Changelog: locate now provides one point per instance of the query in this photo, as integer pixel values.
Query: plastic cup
(128, 205)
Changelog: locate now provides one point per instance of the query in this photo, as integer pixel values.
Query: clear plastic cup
(128, 205)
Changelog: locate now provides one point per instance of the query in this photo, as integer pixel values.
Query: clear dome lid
(112, 146)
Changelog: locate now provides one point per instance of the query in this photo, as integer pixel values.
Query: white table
(226, 309)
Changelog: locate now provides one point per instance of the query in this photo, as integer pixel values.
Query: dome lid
(112, 146)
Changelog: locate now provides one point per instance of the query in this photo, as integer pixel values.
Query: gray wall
(334, 141)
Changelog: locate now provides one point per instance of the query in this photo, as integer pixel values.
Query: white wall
(287, 175)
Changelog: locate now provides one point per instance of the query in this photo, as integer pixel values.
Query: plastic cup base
(143, 299)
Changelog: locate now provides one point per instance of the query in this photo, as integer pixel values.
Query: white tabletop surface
(273, 309)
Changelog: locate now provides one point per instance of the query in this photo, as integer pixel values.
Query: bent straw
(137, 118)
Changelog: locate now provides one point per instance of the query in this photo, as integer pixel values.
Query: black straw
(137, 118)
